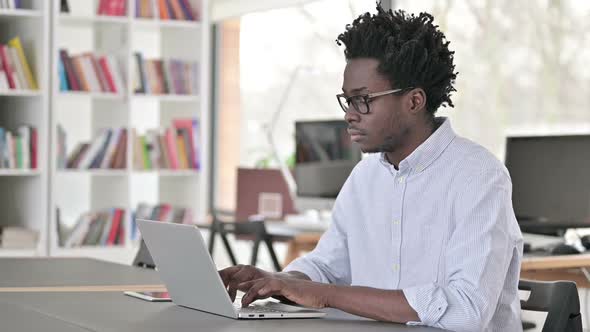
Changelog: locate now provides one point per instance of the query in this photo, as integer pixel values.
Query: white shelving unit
(83, 114)
(23, 193)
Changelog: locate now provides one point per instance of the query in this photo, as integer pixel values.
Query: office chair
(224, 224)
(559, 299)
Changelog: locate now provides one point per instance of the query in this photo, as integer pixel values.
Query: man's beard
(390, 144)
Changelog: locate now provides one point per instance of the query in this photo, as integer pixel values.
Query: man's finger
(233, 286)
(271, 288)
(228, 273)
(252, 293)
(246, 285)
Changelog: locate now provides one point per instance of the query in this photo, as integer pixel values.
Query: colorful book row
(165, 9)
(90, 73)
(165, 76)
(20, 150)
(107, 151)
(15, 72)
(176, 148)
(160, 212)
(98, 228)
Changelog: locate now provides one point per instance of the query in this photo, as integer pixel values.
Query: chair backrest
(225, 222)
(559, 299)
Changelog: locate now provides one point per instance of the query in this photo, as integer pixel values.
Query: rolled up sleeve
(477, 259)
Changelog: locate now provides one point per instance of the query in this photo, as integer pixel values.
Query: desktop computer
(324, 158)
(551, 184)
(550, 180)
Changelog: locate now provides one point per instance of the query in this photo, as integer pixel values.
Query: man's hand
(235, 275)
(303, 292)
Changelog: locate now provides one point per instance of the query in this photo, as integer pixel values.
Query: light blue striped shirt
(441, 229)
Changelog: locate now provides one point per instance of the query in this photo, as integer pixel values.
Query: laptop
(189, 273)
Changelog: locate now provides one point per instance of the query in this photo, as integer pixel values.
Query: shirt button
(401, 179)
(395, 267)
(396, 222)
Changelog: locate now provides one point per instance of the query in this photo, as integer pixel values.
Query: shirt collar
(425, 154)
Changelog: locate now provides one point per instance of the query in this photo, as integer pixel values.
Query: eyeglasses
(360, 103)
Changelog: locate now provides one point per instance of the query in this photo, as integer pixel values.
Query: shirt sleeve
(329, 262)
(482, 247)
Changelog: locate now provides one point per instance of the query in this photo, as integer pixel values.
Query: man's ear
(416, 100)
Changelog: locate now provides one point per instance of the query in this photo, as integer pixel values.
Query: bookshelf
(84, 114)
(23, 192)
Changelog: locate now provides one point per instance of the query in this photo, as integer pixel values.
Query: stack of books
(175, 148)
(165, 9)
(165, 76)
(11, 4)
(18, 238)
(20, 150)
(106, 151)
(90, 73)
(15, 73)
(97, 228)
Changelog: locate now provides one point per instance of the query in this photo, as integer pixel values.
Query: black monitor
(551, 181)
(324, 157)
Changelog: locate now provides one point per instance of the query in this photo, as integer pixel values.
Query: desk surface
(59, 272)
(20, 318)
(555, 262)
(113, 311)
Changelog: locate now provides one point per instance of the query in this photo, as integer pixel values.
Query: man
(423, 230)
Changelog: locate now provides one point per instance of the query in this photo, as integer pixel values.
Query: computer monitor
(324, 158)
(551, 181)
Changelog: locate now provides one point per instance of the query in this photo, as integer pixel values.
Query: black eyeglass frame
(367, 99)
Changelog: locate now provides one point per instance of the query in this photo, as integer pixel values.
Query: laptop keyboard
(255, 308)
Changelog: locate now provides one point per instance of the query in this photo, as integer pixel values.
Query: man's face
(385, 128)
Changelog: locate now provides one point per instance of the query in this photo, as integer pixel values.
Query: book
(108, 75)
(18, 66)
(3, 79)
(172, 148)
(34, 147)
(8, 67)
(73, 81)
(80, 74)
(141, 74)
(28, 74)
(25, 148)
(120, 158)
(177, 9)
(163, 9)
(61, 72)
(10, 150)
(187, 10)
(93, 150)
(116, 227)
(189, 138)
(116, 72)
(111, 149)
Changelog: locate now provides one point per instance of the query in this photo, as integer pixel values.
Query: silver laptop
(185, 266)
